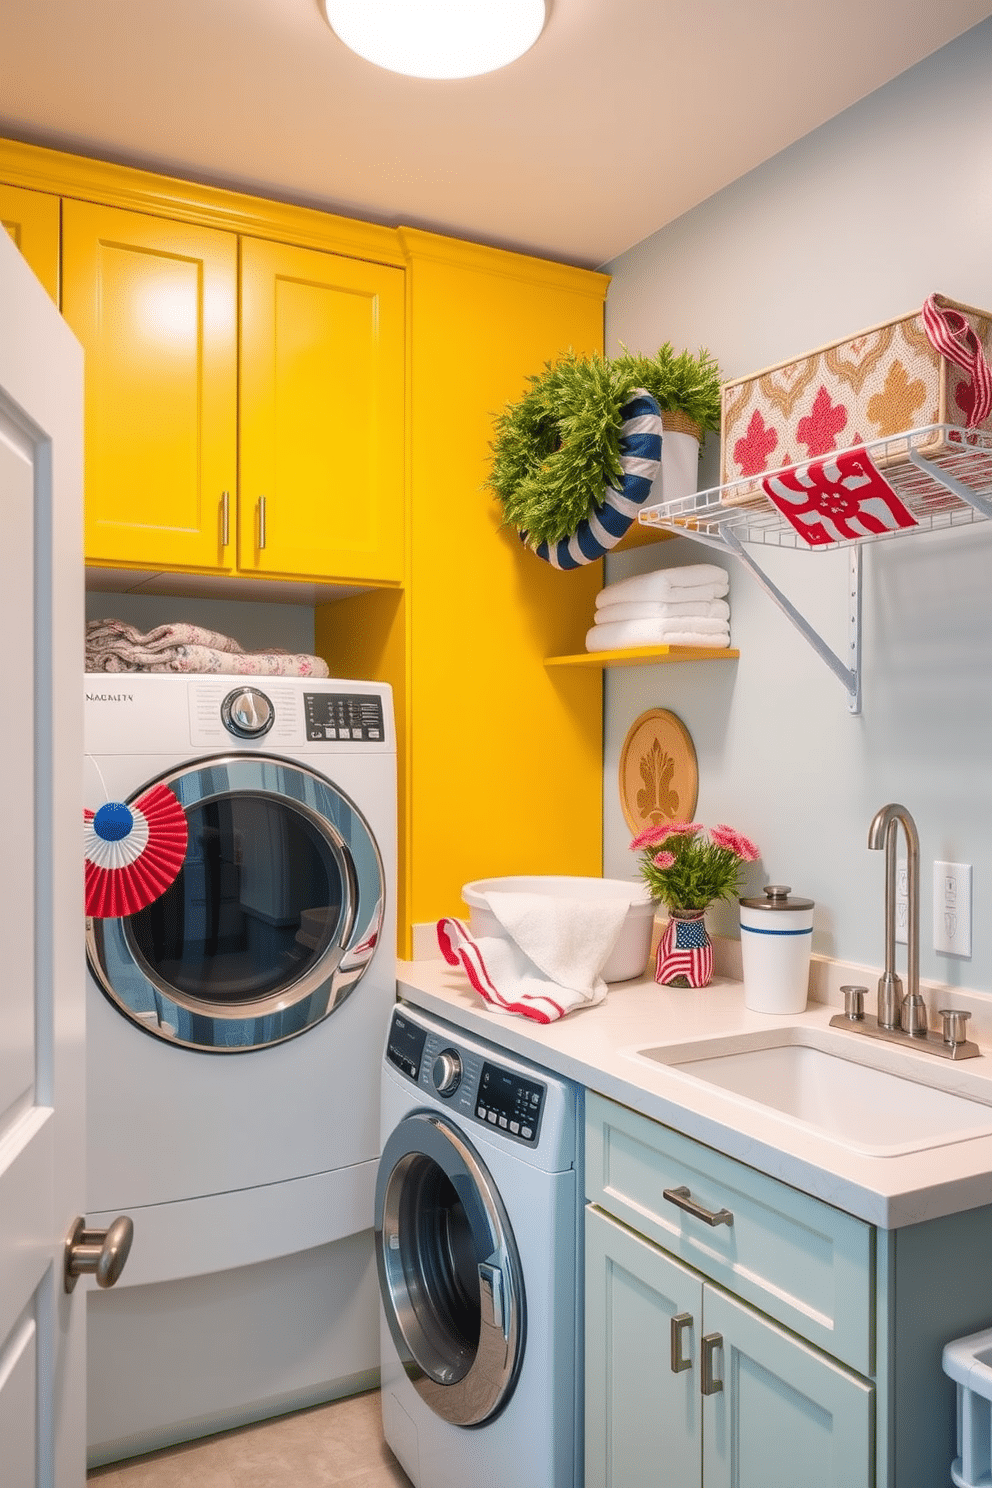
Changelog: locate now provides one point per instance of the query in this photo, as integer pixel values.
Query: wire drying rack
(941, 473)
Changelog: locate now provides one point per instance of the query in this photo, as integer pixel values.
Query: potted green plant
(575, 454)
(688, 866)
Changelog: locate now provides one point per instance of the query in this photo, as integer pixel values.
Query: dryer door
(449, 1272)
(273, 919)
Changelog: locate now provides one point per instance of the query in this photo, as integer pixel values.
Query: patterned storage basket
(931, 367)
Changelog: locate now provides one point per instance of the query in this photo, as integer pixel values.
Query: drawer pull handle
(709, 1384)
(225, 519)
(681, 1324)
(682, 1199)
(261, 521)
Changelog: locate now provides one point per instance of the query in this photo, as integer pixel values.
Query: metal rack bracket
(942, 473)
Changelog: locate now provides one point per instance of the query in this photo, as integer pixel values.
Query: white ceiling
(624, 115)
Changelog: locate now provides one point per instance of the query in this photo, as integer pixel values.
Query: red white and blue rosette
(133, 852)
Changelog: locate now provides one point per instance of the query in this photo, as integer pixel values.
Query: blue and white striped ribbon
(640, 461)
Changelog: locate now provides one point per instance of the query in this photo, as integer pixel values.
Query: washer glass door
(273, 918)
(449, 1272)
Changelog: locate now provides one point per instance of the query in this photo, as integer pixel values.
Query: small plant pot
(685, 951)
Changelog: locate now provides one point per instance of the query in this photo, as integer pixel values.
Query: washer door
(271, 923)
(449, 1272)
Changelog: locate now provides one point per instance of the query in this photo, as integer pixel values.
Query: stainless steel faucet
(895, 1009)
(902, 1018)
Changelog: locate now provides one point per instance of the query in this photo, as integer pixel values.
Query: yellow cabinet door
(154, 304)
(32, 219)
(322, 450)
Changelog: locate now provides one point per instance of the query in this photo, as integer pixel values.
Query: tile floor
(326, 1446)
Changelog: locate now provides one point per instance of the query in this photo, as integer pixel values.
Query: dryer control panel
(485, 1092)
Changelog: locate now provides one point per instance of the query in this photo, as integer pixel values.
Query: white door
(42, 1145)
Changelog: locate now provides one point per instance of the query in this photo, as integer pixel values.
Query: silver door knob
(99, 1253)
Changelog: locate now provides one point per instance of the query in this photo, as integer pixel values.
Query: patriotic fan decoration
(133, 852)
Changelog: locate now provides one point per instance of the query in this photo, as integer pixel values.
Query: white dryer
(477, 1234)
(234, 1030)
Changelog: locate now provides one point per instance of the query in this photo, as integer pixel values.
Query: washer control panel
(479, 1089)
(344, 715)
(509, 1102)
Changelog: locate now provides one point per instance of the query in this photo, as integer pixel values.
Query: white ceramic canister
(776, 938)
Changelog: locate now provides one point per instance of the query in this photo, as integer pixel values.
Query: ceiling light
(437, 38)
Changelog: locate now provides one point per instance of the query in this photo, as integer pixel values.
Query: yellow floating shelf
(644, 656)
(638, 535)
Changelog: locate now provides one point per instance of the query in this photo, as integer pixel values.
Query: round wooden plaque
(659, 776)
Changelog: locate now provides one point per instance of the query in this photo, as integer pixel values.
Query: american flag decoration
(133, 852)
(685, 954)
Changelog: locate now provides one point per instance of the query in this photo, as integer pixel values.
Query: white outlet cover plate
(952, 908)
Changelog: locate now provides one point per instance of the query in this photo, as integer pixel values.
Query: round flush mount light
(437, 38)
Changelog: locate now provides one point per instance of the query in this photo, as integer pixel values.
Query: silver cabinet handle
(681, 1324)
(682, 1199)
(261, 521)
(225, 519)
(709, 1384)
(99, 1253)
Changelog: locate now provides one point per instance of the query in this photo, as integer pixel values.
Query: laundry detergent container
(629, 956)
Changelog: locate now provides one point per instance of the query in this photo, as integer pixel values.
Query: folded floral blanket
(114, 646)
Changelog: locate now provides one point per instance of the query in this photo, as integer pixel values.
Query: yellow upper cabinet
(32, 220)
(154, 304)
(322, 395)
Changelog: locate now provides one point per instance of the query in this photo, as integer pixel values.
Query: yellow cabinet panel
(154, 304)
(32, 219)
(322, 387)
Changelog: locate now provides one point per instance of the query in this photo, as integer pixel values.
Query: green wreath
(558, 449)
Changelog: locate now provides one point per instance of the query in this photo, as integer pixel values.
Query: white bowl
(628, 958)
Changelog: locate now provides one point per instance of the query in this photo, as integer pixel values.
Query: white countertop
(597, 1047)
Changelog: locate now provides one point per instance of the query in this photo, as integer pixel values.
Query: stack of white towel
(668, 607)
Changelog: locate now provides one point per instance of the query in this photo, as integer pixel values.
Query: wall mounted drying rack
(941, 473)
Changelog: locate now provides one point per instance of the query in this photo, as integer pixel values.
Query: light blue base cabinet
(794, 1346)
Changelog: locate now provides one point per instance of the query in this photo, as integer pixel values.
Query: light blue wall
(857, 222)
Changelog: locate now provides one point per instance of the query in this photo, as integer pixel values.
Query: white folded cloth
(699, 609)
(550, 958)
(696, 581)
(680, 632)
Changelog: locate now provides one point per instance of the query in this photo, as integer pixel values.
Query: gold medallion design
(892, 410)
(659, 776)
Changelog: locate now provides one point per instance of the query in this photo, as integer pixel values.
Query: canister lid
(777, 897)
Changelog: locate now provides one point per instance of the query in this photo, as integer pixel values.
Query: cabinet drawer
(799, 1260)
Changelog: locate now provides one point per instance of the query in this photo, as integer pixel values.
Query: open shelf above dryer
(942, 475)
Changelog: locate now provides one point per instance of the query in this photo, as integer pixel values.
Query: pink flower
(651, 836)
(663, 860)
(684, 829)
(735, 842)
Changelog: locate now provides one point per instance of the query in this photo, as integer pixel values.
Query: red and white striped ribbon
(949, 333)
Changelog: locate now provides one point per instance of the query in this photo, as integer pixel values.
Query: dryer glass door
(449, 1271)
(273, 918)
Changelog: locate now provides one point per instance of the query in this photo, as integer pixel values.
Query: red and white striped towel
(549, 960)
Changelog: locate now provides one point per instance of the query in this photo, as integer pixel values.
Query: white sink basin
(877, 1101)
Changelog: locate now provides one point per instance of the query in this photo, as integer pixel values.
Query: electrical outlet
(952, 908)
(902, 900)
